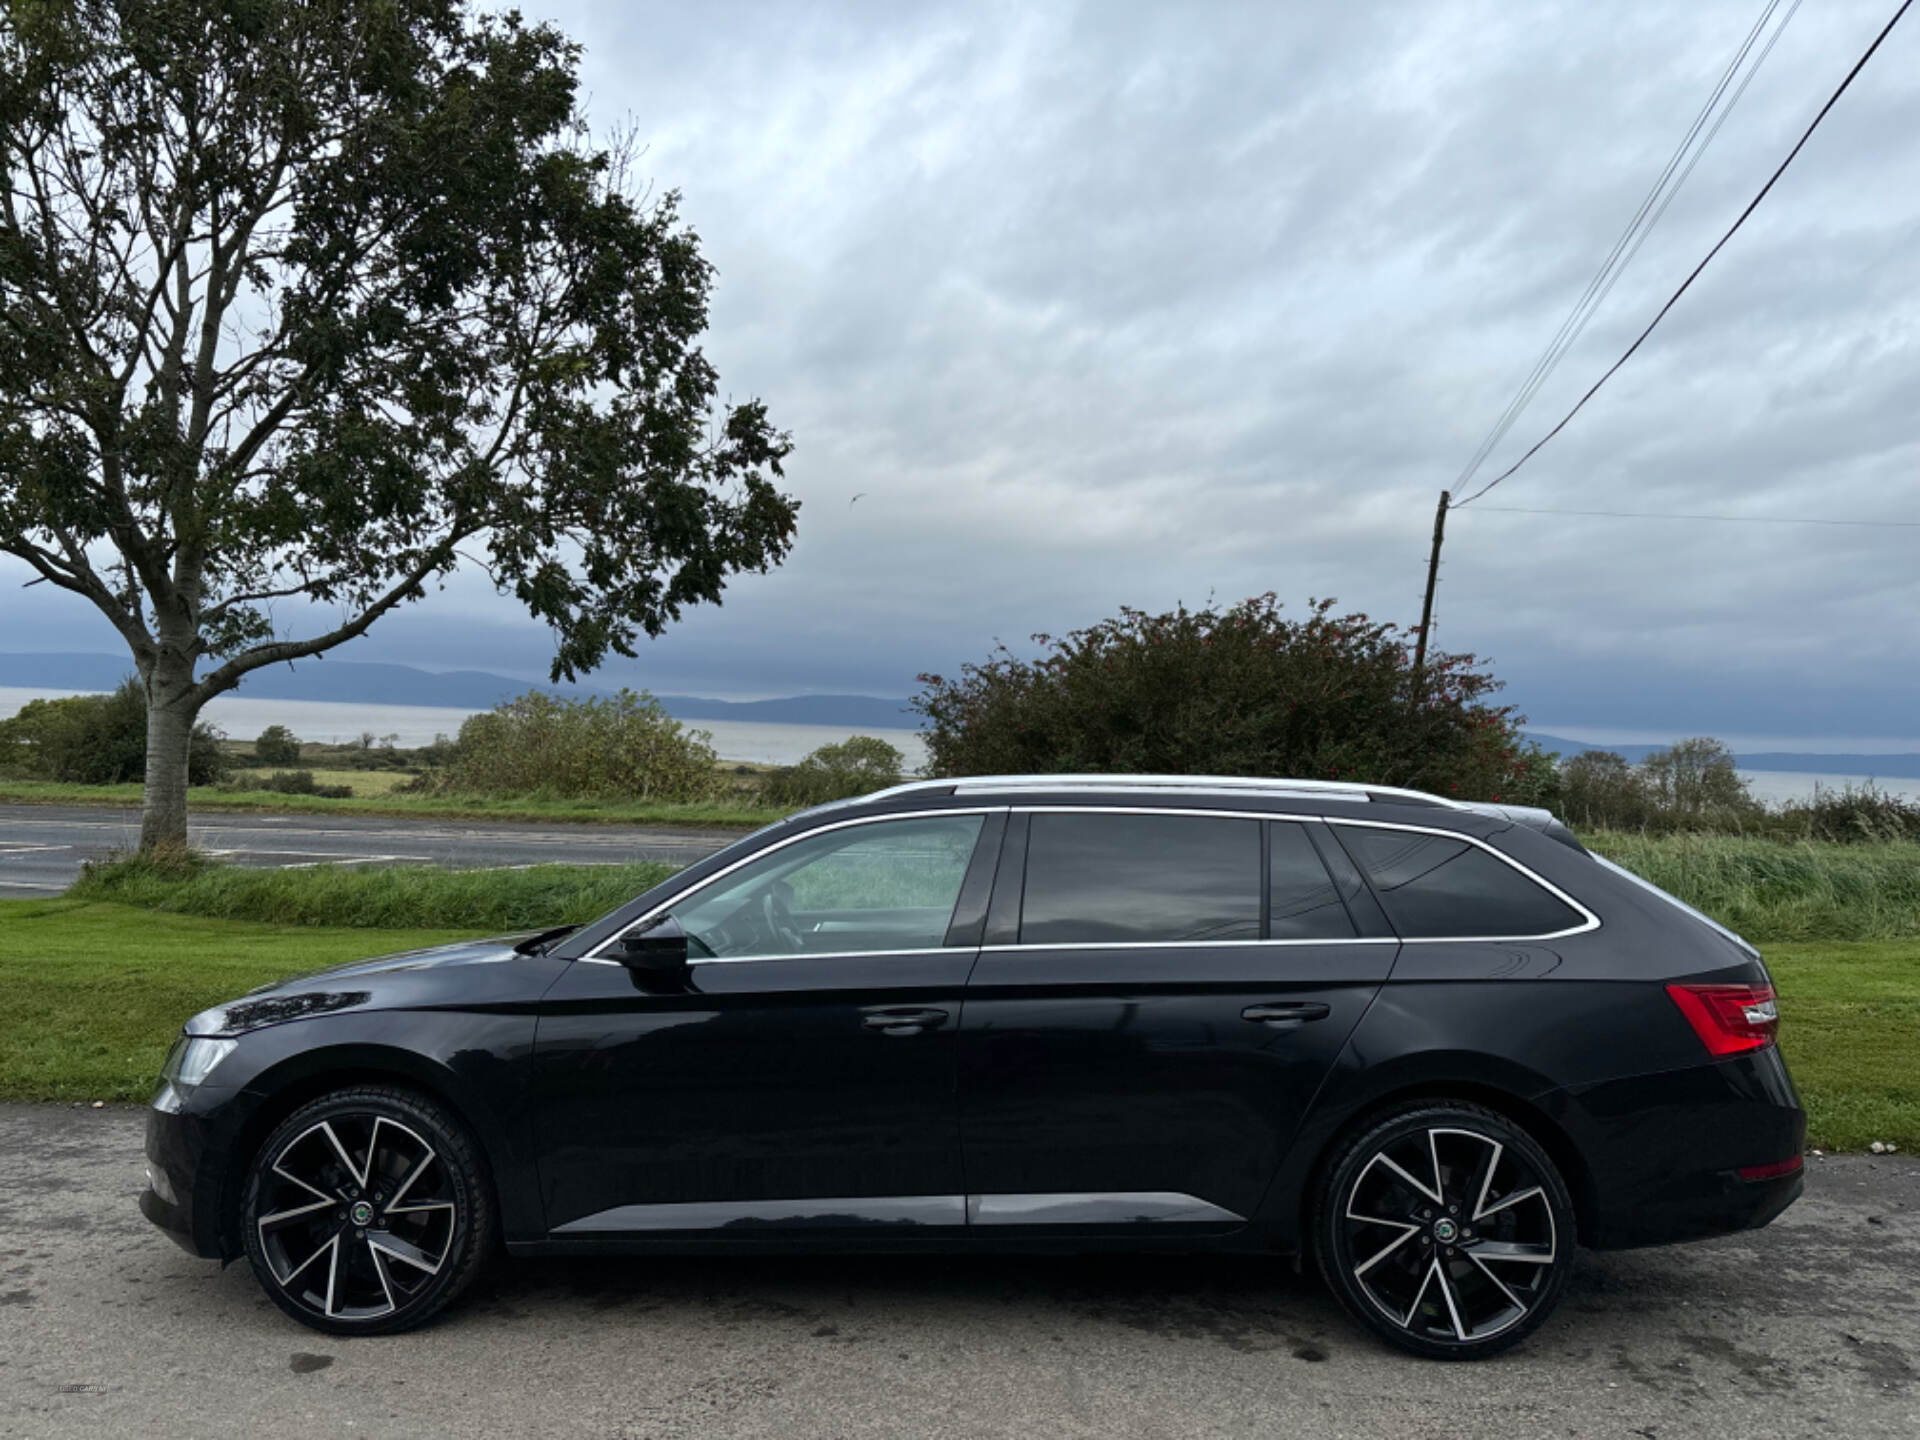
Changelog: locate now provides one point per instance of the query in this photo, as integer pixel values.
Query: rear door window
(1439, 887)
(1101, 878)
(1302, 903)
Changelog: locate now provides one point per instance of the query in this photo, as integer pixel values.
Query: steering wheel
(776, 915)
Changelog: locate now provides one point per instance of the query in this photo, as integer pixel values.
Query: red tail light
(1729, 1018)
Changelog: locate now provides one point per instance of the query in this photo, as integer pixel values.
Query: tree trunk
(170, 717)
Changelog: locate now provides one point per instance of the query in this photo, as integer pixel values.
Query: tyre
(1445, 1229)
(367, 1211)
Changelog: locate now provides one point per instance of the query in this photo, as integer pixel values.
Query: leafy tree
(1696, 777)
(1600, 791)
(302, 302)
(857, 765)
(277, 745)
(1236, 691)
(99, 740)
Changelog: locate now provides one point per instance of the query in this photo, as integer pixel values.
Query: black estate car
(1432, 1046)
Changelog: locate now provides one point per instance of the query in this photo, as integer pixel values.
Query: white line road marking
(332, 860)
(250, 850)
(539, 864)
(13, 847)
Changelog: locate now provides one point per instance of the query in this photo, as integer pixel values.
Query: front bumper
(187, 1173)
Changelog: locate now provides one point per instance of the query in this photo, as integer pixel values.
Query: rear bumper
(1663, 1152)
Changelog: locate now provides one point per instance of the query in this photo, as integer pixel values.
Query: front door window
(886, 886)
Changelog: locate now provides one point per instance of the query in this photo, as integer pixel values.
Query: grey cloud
(1128, 303)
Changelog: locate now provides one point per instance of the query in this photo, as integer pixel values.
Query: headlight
(192, 1059)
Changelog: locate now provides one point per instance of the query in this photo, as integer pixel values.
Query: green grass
(1772, 890)
(92, 995)
(357, 897)
(1850, 1029)
(207, 799)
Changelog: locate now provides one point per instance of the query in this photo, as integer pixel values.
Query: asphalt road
(1811, 1327)
(43, 846)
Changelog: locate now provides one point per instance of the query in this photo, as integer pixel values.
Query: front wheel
(1446, 1230)
(367, 1211)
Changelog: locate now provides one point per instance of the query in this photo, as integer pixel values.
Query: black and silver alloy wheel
(1447, 1230)
(364, 1212)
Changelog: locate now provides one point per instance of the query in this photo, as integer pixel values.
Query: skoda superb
(1428, 1047)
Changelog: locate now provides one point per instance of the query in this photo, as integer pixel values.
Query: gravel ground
(1811, 1327)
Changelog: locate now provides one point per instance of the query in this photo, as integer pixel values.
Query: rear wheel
(1445, 1229)
(367, 1211)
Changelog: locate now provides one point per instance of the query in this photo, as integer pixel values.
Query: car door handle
(903, 1021)
(1286, 1014)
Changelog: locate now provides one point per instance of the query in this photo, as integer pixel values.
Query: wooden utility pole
(1426, 609)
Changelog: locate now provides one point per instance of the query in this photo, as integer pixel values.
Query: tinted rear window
(1103, 879)
(1437, 887)
(1302, 903)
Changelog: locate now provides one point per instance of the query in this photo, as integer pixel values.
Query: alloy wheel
(1450, 1234)
(356, 1216)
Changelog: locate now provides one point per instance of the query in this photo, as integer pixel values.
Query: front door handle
(1286, 1014)
(903, 1021)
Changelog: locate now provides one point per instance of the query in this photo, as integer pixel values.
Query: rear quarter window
(1440, 887)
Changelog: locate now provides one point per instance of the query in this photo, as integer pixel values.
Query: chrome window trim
(1590, 922)
(594, 956)
(1184, 944)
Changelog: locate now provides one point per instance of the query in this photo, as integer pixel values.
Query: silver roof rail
(1206, 784)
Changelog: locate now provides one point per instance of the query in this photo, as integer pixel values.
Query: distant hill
(1881, 767)
(353, 681)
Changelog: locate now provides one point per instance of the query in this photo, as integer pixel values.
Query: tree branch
(228, 675)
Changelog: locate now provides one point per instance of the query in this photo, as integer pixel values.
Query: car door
(1159, 997)
(803, 1074)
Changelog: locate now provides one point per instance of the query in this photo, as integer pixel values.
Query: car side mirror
(657, 951)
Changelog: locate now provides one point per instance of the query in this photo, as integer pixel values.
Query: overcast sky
(1130, 303)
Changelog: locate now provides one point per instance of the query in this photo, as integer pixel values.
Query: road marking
(335, 860)
(539, 864)
(15, 847)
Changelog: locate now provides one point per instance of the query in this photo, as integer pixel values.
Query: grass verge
(1850, 1028)
(1772, 890)
(208, 800)
(358, 897)
(91, 995)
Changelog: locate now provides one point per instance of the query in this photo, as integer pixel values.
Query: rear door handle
(903, 1021)
(1286, 1014)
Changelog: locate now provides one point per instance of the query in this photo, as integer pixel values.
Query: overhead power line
(1738, 519)
(1720, 244)
(1678, 168)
